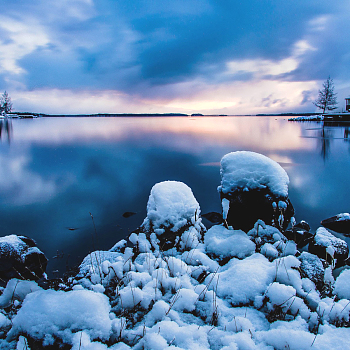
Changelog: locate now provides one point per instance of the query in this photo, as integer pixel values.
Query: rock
(327, 246)
(300, 234)
(20, 258)
(127, 214)
(311, 267)
(172, 209)
(213, 217)
(338, 223)
(254, 187)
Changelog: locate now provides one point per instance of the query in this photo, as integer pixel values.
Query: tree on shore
(5, 103)
(327, 98)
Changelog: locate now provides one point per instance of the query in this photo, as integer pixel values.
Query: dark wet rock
(254, 187)
(300, 234)
(247, 207)
(339, 223)
(127, 214)
(312, 267)
(213, 217)
(303, 225)
(20, 258)
(326, 246)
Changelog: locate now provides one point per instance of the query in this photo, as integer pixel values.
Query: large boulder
(254, 187)
(20, 258)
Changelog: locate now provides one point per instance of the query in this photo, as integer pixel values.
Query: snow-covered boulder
(171, 210)
(328, 247)
(54, 316)
(311, 267)
(20, 258)
(254, 187)
(338, 223)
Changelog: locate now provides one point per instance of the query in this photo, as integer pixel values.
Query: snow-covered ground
(208, 289)
(307, 118)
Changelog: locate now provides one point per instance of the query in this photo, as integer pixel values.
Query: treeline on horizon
(29, 114)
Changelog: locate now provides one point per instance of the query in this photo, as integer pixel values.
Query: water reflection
(324, 141)
(57, 171)
(6, 129)
(257, 132)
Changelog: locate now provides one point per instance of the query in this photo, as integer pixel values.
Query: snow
(249, 170)
(4, 321)
(342, 285)
(308, 118)
(171, 205)
(242, 280)
(216, 289)
(48, 313)
(312, 266)
(226, 243)
(326, 239)
(17, 290)
(343, 217)
(12, 244)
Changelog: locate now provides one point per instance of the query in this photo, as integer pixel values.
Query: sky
(181, 56)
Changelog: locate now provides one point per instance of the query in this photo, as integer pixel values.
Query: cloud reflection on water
(258, 132)
(56, 171)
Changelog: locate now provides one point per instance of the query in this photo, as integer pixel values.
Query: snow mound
(226, 243)
(243, 280)
(48, 314)
(17, 290)
(249, 170)
(342, 285)
(171, 205)
(326, 239)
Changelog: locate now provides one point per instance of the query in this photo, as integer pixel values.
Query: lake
(56, 171)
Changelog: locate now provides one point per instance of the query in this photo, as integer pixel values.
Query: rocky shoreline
(257, 280)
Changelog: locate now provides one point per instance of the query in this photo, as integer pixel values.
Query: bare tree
(5, 103)
(327, 98)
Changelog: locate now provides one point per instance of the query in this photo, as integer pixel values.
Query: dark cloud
(128, 45)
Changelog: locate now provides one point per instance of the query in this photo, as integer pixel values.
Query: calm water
(56, 171)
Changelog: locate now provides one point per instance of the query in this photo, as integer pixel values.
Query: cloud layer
(154, 55)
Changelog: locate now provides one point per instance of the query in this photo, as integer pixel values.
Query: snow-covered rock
(20, 258)
(220, 289)
(311, 267)
(325, 245)
(47, 315)
(254, 187)
(300, 234)
(338, 223)
(171, 210)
